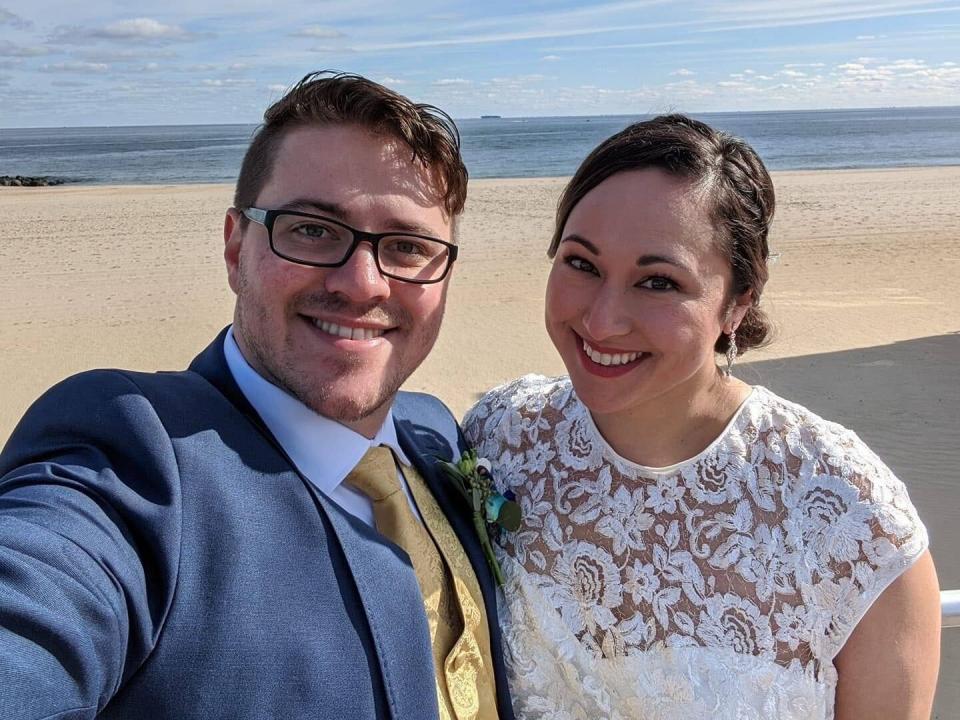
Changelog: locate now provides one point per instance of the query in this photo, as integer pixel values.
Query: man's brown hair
(334, 98)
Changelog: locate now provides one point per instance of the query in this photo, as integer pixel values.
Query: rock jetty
(29, 181)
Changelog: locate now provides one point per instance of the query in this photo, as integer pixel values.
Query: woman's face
(639, 293)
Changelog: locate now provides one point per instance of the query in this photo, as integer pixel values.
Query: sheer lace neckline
(639, 469)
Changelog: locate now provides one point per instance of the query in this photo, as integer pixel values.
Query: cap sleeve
(858, 531)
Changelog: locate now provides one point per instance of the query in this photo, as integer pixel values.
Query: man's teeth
(606, 359)
(347, 332)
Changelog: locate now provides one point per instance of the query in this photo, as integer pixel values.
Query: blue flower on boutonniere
(491, 510)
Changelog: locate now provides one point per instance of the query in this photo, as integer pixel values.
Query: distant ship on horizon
(490, 117)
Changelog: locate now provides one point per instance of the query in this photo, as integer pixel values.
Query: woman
(692, 547)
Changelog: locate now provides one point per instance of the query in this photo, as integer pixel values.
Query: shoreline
(61, 183)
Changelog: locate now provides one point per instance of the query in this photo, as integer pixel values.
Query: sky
(103, 62)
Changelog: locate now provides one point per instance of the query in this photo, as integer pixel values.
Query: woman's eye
(658, 283)
(578, 263)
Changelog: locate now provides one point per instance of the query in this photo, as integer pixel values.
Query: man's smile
(348, 332)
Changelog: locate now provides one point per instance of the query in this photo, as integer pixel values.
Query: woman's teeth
(607, 359)
(347, 332)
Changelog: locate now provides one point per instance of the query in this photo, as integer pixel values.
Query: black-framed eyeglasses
(320, 241)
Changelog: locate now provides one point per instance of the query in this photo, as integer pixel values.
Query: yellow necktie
(376, 477)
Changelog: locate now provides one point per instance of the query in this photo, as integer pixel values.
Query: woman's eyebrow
(642, 261)
(645, 260)
(580, 240)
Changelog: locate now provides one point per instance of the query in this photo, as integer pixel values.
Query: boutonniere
(491, 510)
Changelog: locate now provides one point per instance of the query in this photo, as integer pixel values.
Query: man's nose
(359, 279)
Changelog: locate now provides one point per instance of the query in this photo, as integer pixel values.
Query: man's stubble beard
(318, 394)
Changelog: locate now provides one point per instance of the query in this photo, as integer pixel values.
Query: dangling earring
(731, 353)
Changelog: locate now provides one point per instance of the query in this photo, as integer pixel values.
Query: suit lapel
(382, 572)
(422, 450)
(423, 445)
(212, 365)
(388, 590)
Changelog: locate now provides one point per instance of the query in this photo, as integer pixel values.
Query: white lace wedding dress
(719, 587)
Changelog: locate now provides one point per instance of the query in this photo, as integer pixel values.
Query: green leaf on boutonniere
(471, 476)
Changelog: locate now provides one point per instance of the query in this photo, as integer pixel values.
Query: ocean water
(493, 147)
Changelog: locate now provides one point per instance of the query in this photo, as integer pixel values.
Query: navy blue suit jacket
(160, 557)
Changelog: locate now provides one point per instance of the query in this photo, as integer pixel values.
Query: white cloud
(13, 20)
(792, 73)
(683, 72)
(124, 55)
(134, 30)
(390, 81)
(318, 32)
(533, 33)
(278, 88)
(792, 13)
(332, 49)
(75, 67)
(550, 58)
(451, 81)
(626, 46)
(910, 64)
(227, 82)
(9, 49)
(141, 29)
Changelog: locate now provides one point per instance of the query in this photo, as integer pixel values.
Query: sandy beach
(865, 294)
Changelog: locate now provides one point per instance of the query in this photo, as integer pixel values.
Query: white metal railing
(950, 608)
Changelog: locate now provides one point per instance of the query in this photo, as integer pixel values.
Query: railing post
(950, 608)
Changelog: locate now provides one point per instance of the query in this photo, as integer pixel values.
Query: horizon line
(511, 117)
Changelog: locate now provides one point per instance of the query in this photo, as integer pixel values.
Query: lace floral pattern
(750, 563)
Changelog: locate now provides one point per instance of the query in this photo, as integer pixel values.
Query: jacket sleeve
(89, 546)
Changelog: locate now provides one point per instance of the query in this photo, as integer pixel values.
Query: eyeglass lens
(315, 240)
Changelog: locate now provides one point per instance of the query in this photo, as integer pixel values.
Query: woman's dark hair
(328, 98)
(738, 189)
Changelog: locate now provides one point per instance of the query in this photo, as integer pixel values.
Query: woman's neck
(677, 425)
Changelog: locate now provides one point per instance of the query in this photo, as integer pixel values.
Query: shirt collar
(322, 449)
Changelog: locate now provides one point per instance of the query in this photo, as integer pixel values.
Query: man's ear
(232, 242)
(741, 304)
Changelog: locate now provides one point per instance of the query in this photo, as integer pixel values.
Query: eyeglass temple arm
(256, 214)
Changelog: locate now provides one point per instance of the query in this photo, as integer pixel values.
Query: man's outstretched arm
(89, 531)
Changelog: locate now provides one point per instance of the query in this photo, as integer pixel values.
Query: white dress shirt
(322, 449)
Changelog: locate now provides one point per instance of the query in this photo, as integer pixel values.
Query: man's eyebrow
(313, 205)
(336, 212)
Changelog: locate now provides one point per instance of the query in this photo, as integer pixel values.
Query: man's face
(290, 320)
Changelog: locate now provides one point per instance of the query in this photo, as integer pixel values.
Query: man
(218, 542)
